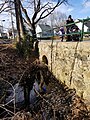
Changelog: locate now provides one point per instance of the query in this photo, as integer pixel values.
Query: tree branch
(51, 10)
(5, 8)
(26, 14)
(37, 9)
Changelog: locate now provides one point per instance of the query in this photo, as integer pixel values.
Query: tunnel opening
(44, 59)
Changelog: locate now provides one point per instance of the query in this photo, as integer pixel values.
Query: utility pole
(12, 26)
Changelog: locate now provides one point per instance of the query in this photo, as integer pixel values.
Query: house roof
(45, 27)
(87, 23)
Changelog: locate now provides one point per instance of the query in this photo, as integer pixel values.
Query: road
(60, 41)
(8, 41)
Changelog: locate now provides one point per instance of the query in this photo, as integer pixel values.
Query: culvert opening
(44, 59)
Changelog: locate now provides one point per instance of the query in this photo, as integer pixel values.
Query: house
(1, 30)
(11, 33)
(28, 29)
(86, 25)
(2, 33)
(44, 31)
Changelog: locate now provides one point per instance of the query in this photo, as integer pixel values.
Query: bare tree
(5, 5)
(56, 19)
(85, 2)
(9, 6)
(40, 11)
(59, 19)
(19, 19)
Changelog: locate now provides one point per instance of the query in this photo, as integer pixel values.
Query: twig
(10, 100)
(23, 74)
(5, 48)
(54, 114)
(2, 113)
(6, 103)
(15, 115)
(46, 102)
(42, 97)
(6, 118)
(7, 110)
(2, 98)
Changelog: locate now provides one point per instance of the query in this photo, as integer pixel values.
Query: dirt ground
(57, 103)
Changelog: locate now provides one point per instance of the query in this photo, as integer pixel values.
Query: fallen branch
(2, 105)
(7, 110)
(46, 102)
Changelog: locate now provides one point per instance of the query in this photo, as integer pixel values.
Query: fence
(81, 32)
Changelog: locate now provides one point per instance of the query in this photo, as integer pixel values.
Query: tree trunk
(34, 38)
(21, 21)
(17, 18)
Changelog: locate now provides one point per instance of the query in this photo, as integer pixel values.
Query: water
(19, 94)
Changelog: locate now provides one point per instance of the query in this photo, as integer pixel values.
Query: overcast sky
(77, 8)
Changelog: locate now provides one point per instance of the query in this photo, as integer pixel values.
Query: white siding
(80, 26)
(38, 31)
(1, 29)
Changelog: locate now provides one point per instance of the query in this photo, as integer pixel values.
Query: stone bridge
(70, 63)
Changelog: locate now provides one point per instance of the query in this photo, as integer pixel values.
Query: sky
(77, 8)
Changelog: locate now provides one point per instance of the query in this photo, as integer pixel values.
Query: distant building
(86, 25)
(28, 29)
(44, 31)
(11, 34)
(2, 33)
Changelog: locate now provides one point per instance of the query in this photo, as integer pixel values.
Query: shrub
(24, 46)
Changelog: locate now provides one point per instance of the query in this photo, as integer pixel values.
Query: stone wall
(70, 63)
